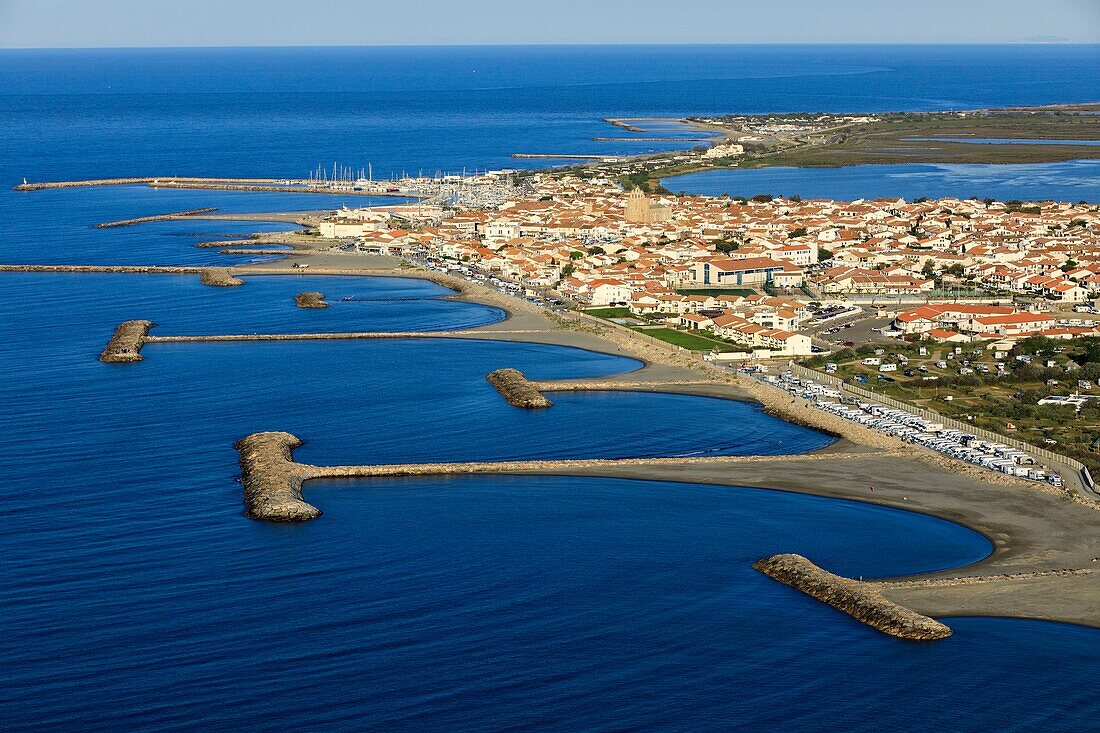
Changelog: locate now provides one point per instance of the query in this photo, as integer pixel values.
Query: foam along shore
(858, 599)
(273, 480)
(125, 345)
(155, 217)
(212, 276)
(517, 390)
(310, 300)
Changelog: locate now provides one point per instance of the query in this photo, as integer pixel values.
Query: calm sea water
(135, 595)
(280, 112)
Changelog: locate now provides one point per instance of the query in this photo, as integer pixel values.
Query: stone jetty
(310, 300)
(125, 345)
(127, 269)
(157, 217)
(858, 599)
(213, 276)
(133, 182)
(219, 277)
(272, 481)
(517, 390)
(563, 156)
(340, 336)
(623, 124)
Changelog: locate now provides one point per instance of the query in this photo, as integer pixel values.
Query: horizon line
(550, 44)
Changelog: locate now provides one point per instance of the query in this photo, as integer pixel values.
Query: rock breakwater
(125, 345)
(157, 217)
(517, 390)
(310, 300)
(219, 277)
(858, 599)
(213, 276)
(272, 480)
(44, 185)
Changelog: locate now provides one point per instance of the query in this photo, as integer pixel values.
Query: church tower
(637, 207)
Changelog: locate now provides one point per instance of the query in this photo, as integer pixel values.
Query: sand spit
(858, 599)
(980, 579)
(310, 300)
(125, 345)
(517, 390)
(272, 481)
(157, 217)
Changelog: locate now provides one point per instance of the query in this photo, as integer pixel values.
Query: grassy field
(621, 312)
(687, 340)
(888, 141)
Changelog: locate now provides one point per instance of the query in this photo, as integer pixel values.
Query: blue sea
(135, 595)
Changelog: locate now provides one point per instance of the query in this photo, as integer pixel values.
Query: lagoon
(1072, 181)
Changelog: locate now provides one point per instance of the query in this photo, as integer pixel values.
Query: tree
(824, 254)
(568, 270)
(726, 246)
(574, 255)
(928, 268)
(800, 232)
(762, 198)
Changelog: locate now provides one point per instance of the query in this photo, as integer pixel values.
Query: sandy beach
(1045, 562)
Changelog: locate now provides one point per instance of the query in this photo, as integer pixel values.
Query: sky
(143, 23)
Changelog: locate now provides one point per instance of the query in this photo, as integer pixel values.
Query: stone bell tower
(637, 207)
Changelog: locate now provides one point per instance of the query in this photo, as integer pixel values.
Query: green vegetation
(687, 340)
(993, 400)
(645, 181)
(621, 312)
(895, 139)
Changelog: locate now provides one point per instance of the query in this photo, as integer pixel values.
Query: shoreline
(1031, 529)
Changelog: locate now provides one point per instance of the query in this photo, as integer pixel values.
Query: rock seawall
(517, 390)
(155, 217)
(310, 300)
(125, 345)
(272, 480)
(857, 599)
(214, 276)
(218, 277)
